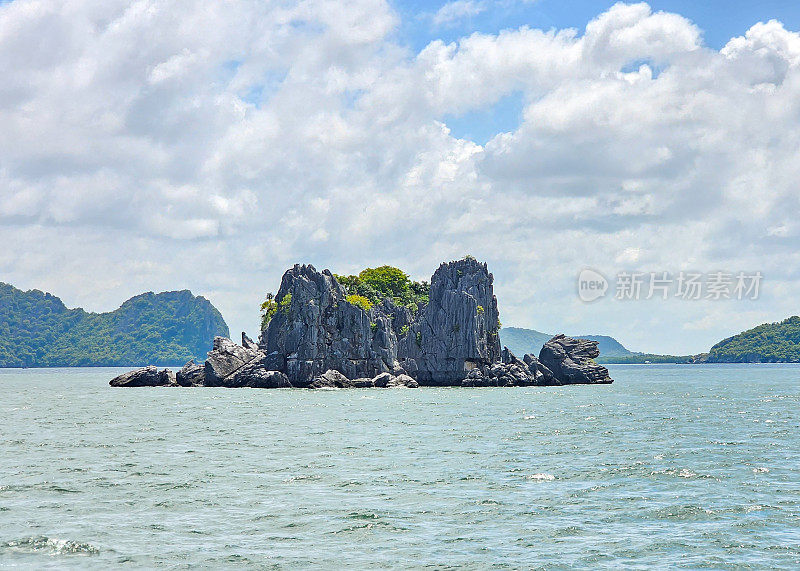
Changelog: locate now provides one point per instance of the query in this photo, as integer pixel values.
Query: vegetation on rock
(360, 301)
(375, 284)
(269, 307)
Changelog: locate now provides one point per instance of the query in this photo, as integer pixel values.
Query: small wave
(488, 503)
(568, 531)
(366, 527)
(542, 477)
(760, 470)
(684, 512)
(302, 478)
(682, 473)
(362, 515)
(50, 545)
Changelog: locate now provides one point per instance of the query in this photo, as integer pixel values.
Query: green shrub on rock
(268, 309)
(359, 301)
(375, 284)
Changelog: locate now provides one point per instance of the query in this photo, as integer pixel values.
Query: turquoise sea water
(669, 467)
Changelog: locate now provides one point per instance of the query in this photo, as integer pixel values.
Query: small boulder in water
(382, 380)
(259, 378)
(145, 377)
(331, 379)
(402, 381)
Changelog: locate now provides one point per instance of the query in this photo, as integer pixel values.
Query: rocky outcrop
(457, 330)
(335, 380)
(146, 377)
(191, 375)
(543, 376)
(508, 372)
(315, 329)
(225, 360)
(257, 377)
(571, 361)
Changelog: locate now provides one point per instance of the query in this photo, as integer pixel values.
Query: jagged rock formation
(316, 330)
(318, 339)
(571, 361)
(458, 330)
(542, 375)
(509, 372)
(191, 375)
(225, 360)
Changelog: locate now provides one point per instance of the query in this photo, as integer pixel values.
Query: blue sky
(719, 20)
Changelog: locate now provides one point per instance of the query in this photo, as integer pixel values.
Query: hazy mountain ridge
(38, 330)
(521, 341)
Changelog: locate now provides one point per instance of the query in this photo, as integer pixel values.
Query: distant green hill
(38, 330)
(767, 343)
(521, 341)
(609, 347)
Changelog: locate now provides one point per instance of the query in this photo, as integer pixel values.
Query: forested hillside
(767, 343)
(38, 330)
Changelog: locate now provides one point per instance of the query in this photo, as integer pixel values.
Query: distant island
(38, 330)
(521, 340)
(768, 343)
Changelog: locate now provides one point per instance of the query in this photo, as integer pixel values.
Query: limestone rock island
(318, 336)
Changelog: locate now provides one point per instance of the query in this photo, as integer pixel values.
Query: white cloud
(456, 10)
(158, 145)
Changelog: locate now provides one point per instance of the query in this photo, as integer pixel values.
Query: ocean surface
(670, 467)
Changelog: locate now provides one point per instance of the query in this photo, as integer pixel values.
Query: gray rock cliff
(316, 330)
(457, 330)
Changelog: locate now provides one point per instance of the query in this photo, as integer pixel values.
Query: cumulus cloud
(158, 145)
